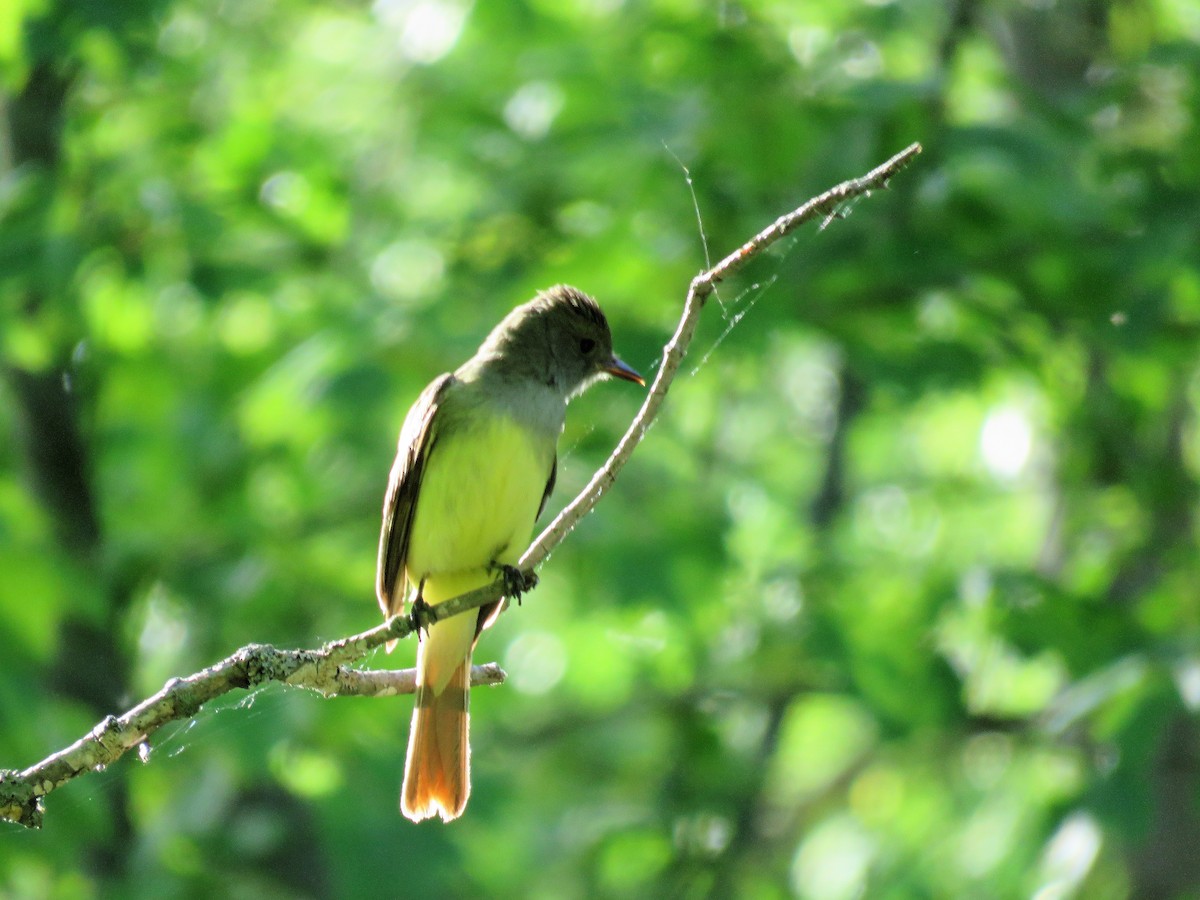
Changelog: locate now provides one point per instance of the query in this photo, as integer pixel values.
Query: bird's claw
(516, 582)
(418, 616)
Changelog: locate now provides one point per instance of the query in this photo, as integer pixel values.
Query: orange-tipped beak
(618, 367)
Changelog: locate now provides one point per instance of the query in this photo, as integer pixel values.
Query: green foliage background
(898, 599)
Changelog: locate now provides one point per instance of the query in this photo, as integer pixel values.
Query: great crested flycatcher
(477, 459)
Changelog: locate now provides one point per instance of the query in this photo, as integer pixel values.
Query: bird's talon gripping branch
(418, 616)
(516, 582)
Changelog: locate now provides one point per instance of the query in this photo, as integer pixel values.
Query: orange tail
(437, 772)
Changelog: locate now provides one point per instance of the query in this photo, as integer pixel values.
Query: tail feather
(437, 770)
(437, 778)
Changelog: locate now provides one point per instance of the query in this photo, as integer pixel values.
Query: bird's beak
(618, 367)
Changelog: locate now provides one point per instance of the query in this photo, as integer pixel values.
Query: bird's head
(559, 338)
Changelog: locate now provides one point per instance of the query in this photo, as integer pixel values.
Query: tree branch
(324, 670)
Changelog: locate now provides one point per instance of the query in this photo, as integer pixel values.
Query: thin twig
(22, 792)
(702, 286)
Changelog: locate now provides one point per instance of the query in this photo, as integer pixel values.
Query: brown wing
(417, 437)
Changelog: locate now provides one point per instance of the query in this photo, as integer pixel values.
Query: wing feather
(549, 487)
(417, 437)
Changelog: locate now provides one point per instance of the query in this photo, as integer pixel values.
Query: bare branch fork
(325, 670)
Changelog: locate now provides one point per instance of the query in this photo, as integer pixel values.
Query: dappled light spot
(938, 314)
(703, 834)
(532, 109)
(863, 59)
(409, 269)
(113, 306)
(891, 517)
(536, 661)
(1187, 682)
(988, 837)
(740, 724)
(426, 30)
(178, 310)
(975, 586)
(979, 91)
(1069, 856)
(889, 511)
(821, 737)
(808, 43)
(1005, 442)
(306, 772)
(286, 192)
(183, 34)
(1118, 680)
(736, 641)
(832, 862)
(783, 598)
(163, 636)
(585, 218)
(810, 384)
(245, 323)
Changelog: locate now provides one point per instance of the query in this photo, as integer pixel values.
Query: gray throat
(529, 402)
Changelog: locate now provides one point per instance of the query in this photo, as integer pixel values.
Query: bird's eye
(587, 345)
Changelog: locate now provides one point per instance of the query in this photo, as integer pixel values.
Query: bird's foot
(418, 615)
(516, 582)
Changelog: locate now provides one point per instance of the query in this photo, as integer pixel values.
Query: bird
(476, 460)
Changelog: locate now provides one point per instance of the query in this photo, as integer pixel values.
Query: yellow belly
(478, 500)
